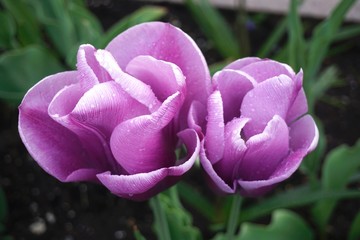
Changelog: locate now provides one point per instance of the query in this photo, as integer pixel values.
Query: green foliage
(30, 28)
(341, 163)
(178, 220)
(22, 68)
(214, 27)
(284, 225)
(354, 232)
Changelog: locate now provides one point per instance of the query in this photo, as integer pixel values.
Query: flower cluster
(120, 117)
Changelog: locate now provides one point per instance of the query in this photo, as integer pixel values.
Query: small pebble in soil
(38, 227)
(120, 234)
(50, 217)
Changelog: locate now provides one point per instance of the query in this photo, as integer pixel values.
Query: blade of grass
(273, 39)
(323, 35)
(214, 27)
(300, 196)
(296, 38)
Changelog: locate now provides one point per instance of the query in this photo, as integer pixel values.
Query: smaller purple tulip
(119, 118)
(257, 130)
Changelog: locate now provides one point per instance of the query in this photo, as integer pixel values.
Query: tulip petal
(90, 72)
(165, 42)
(147, 142)
(209, 169)
(165, 78)
(233, 86)
(234, 150)
(304, 134)
(56, 149)
(142, 186)
(196, 118)
(134, 87)
(214, 141)
(265, 69)
(265, 151)
(242, 62)
(104, 106)
(269, 98)
(285, 169)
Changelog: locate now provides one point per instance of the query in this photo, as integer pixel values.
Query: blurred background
(41, 37)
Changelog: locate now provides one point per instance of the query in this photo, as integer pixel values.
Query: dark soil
(40, 207)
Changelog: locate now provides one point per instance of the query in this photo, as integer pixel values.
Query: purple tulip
(257, 129)
(118, 119)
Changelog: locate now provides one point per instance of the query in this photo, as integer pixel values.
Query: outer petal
(142, 186)
(265, 69)
(165, 78)
(240, 63)
(209, 169)
(233, 86)
(214, 141)
(269, 98)
(234, 150)
(165, 42)
(265, 151)
(285, 169)
(196, 118)
(56, 149)
(147, 143)
(304, 134)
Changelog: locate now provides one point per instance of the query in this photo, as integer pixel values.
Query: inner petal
(265, 151)
(165, 78)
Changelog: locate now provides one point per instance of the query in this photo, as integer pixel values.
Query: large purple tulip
(118, 119)
(257, 129)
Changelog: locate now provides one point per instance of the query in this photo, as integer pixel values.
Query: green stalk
(160, 217)
(234, 217)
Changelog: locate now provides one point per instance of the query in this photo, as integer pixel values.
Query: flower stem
(234, 217)
(160, 218)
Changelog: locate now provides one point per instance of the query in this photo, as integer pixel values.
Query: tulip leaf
(340, 164)
(8, 30)
(20, 69)
(214, 27)
(178, 219)
(138, 235)
(296, 37)
(28, 29)
(300, 196)
(354, 233)
(273, 39)
(144, 14)
(284, 225)
(196, 200)
(322, 37)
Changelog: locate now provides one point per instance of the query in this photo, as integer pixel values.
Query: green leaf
(196, 200)
(8, 30)
(59, 25)
(327, 79)
(214, 27)
(323, 35)
(28, 29)
(138, 235)
(20, 69)
(179, 220)
(354, 233)
(296, 38)
(341, 163)
(300, 196)
(284, 225)
(144, 14)
(273, 39)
